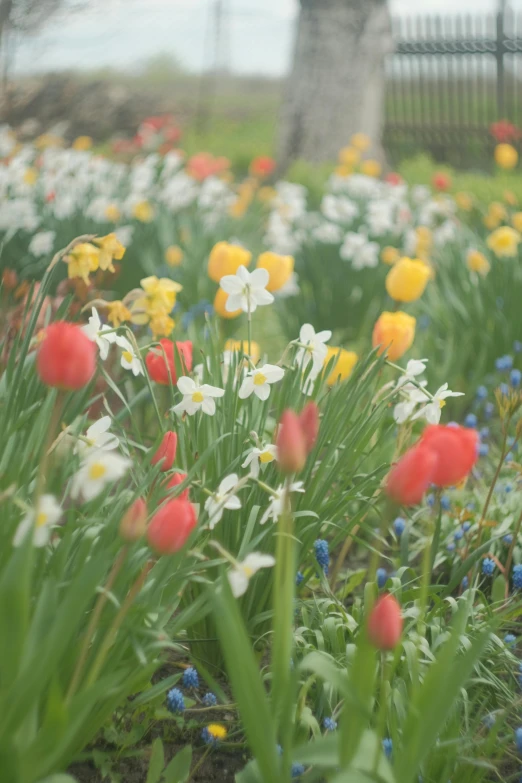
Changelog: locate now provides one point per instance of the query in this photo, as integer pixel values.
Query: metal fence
(448, 80)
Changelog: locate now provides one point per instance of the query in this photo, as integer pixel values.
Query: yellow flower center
(259, 379)
(97, 470)
(442, 403)
(197, 397)
(127, 356)
(41, 519)
(265, 457)
(248, 571)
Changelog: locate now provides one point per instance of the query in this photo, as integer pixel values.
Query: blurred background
(282, 78)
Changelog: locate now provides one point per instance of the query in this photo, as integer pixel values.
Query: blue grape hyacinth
(321, 554)
(329, 724)
(481, 393)
(382, 577)
(387, 746)
(399, 526)
(510, 639)
(209, 699)
(515, 377)
(175, 700)
(470, 420)
(517, 577)
(488, 566)
(297, 770)
(190, 678)
(299, 578)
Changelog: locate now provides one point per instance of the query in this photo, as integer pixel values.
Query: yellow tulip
(225, 259)
(349, 156)
(143, 212)
(82, 143)
(504, 242)
(464, 201)
(220, 301)
(342, 367)
(407, 279)
(506, 156)
(394, 333)
(242, 345)
(390, 255)
(371, 168)
(343, 171)
(360, 141)
(174, 255)
(477, 262)
(279, 268)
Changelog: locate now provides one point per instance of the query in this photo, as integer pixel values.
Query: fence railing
(448, 80)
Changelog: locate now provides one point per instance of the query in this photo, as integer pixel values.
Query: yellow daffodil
(371, 168)
(390, 255)
(161, 325)
(280, 269)
(407, 279)
(506, 156)
(495, 215)
(143, 212)
(242, 345)
(360, 141)
(118, 313)
(504, 242)
(110, 248)
(343, 366)
(30, 176)
(220, 301)
(238, 207)
(82, 260)
(349, 156)
(516, 220)
(394, 333)
(510, 198)
(266, 194)
(160, 293)
(82, 143)
(343, 171)
(174, 255)
(112, 213)
(464, 201)
(477, 262)
(225, 259)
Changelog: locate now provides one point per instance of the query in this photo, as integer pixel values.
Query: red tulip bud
(171, 526)
(134, 522)
(385, 623)
(310, 424)
(175, 481)
(411, 476)
(166, 454)
(456, 451)
(66, 357)
(291, 443)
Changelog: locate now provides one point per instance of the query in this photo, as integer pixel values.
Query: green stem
(492, 487)
(511, 550)
(381, 718)
(198, 765)
(93, 623)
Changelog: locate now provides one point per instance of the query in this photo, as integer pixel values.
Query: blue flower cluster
(190, 678)
(322, 554)
(200, 309)
(399, 526)
(504, 363)
(209, 699)
(382, 577)
(299, 578)
(517, 577)
(387, 746)
(329, 724)
(488, 566)
(510, 639)
(297, 770)
(175, 700)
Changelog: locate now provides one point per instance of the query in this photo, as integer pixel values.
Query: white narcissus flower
(276, 502)
(412, 397)
(241, 574)
(260, 457)
(98, 469)
(246, 290)
(42, 243)
(101, 334)
(98, 437)
(413, 368)
(40, 521)
(222, 499)
(432, 411)
(258, 381)
(312, 347)
(129, 358)
(197, 397)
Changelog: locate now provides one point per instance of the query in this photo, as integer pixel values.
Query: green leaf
(58, 779)
(157, 759)
(179, 768)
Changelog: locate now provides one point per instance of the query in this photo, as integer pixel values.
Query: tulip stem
(95, 617)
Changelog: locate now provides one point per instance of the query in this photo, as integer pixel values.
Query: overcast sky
(125, 32)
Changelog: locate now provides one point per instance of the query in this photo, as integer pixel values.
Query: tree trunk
(336, 87)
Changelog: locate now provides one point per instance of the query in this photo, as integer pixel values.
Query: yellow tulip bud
(220, 301)
(349, 156)
(279, 268)
(371, 168)
(225, 259)
(343, 365)
(506, 156)
(174, 255)
(394, 333)
(360, 141)
(407, 279)
(477, 262)
(390, 255)
(242, 345)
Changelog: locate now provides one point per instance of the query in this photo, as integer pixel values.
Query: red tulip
(411, 476)
(175, 481)
(262, 166)
(456, 451)
(441, 181)
(291, 443)
(160, 361)
(166, 453)
(134, 522)
(393, 178)
(171, 526)
(385, 623)
(66, 357)
(309, 419)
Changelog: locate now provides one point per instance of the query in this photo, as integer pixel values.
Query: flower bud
(385, 623)
(291, 443)
(456, 450)
(66, 357)
(309, 419)
(171, 526)
(394, 333)
(134, 522)
(407, 279)
(175, 481)
(411, 476)
(166, 453)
